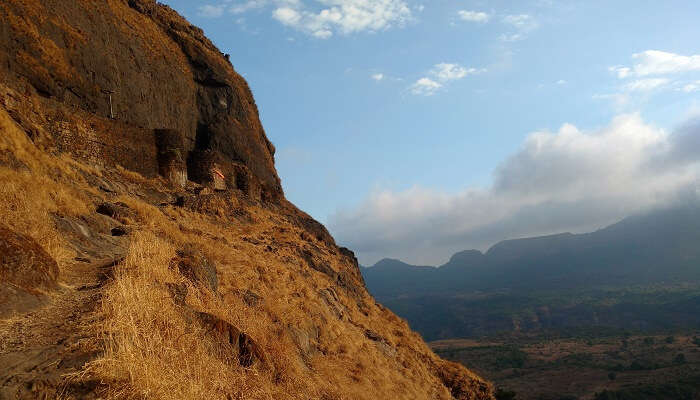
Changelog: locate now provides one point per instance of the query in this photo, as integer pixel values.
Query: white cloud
(241, 7)
(569, 180)
(342, 16)
(378, 77)
(653, 72)
(211, 11)
(561, 82)
(522, 23)
(690, 87)
(425, 87)
(620, 71)
(287, 15)
(643, 85)
(449, 72)
(439, 75)
(322, 33)
(323, 18)
(655, 62)
(473, 16)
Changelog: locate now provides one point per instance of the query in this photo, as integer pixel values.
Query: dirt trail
(39, 350)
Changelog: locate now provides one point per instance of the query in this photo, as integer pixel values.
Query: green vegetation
(627, 365)
(502, 394)
(684, 389)
(497, 357)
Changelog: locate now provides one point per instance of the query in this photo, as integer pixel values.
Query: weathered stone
(118, 211)
(172, 163)
(306, 340)
(242, 346)
(382, 344)
(178, 292)
(24, 262)
(251, 298)
(233, 343)
(331, 299)
(196, 267)
(26, 272)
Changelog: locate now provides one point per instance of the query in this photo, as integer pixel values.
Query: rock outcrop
(160, 71)
(27, 272)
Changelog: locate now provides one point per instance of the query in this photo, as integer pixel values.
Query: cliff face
(164, 74)
(170, 264)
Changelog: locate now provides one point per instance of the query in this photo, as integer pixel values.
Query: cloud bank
(342, 16)
(655, 62)
(322, 18)
(569, 180)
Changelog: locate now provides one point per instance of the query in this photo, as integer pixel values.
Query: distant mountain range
(625, 276)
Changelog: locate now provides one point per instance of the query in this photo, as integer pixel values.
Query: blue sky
(416, 129)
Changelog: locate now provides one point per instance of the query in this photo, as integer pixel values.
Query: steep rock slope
(164, 73)
(217, 288)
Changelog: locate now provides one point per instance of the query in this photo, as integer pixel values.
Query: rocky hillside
(147, 248)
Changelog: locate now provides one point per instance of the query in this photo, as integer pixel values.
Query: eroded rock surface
(27, 272)
(163, 71)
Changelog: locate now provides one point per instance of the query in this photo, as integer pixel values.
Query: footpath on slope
(42, 351)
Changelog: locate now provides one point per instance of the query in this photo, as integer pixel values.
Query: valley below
(638, 343)
(607, 315)
(583, 366)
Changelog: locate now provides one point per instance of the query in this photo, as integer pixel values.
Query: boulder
(241, 346)
(117, 211)
(27, 273)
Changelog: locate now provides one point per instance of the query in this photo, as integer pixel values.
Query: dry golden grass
(150, 347)
(29, 196)
(25, 206)
(151, 350)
